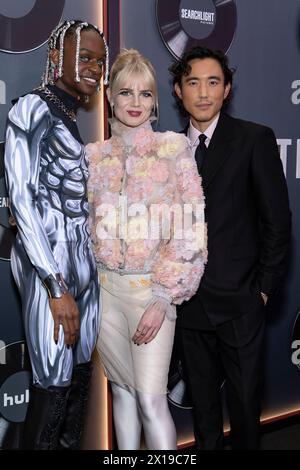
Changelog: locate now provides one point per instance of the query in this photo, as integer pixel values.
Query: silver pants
(52, 364)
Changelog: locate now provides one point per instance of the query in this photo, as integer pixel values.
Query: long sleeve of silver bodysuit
(28, 122)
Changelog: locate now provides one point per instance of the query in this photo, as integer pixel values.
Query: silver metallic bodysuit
(46, 177)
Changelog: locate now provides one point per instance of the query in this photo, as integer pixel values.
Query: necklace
(54, 99)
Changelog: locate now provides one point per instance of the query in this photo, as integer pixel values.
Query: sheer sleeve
(179, 264)
(28, 122)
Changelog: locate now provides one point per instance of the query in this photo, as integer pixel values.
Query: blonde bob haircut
(129, 64)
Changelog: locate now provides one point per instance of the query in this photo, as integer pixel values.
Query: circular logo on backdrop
(197, 24)
(26, 27)
(7, 232)
(178, 393)
(187, 23)
(15, 378)
(14, 396)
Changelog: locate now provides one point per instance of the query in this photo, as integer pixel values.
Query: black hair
(182, 67)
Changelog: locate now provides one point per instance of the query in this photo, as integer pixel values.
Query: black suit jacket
(248, 219)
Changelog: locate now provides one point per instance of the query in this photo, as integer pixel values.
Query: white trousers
(144, 368)
(138, 374)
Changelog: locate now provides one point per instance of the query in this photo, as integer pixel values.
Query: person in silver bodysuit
(52, 261)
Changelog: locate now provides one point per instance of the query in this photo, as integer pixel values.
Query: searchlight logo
(184, 24)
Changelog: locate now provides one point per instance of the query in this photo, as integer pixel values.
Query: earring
(98, 89)
(86, 99)
(55, 73)
(154, 113)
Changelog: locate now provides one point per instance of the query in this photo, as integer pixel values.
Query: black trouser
(233, 350)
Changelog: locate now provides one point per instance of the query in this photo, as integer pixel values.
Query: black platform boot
(44, 418)
(74, 420)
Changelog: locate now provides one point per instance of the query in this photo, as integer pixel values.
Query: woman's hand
(65, 312)
(151, 321)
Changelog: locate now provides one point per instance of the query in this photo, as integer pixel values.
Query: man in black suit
(248, 219)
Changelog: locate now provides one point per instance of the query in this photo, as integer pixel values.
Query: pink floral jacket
(147, 209)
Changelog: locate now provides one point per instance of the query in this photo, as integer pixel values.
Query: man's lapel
(220, 148)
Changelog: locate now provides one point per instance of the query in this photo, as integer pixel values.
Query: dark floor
(279, 435)
(284, 435)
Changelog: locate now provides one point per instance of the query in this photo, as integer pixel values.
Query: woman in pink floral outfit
(149, 238)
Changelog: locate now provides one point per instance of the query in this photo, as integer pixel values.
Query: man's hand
(151, 321)
(65, 313)
(264, 297)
